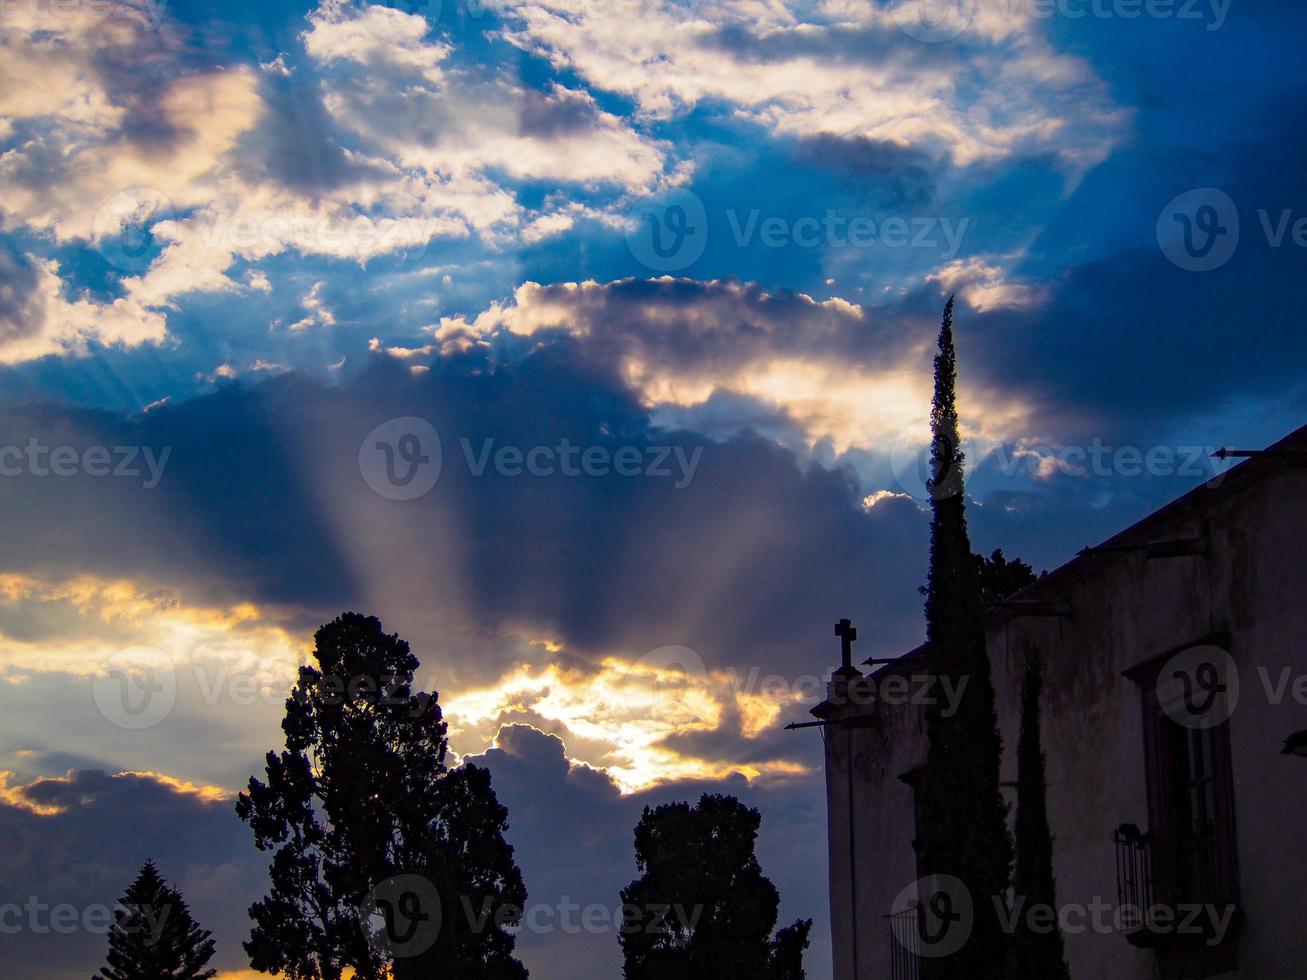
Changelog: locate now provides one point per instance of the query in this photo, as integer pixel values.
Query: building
(1176, 668)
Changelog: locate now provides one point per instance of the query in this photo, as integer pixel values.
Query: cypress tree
(1034, 955)
(154, 937)
(964, 816)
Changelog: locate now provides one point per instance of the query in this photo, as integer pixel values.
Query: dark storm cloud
(261, 499)
(1132, 341)
(83, 857)
(899, 175)
(708, 328)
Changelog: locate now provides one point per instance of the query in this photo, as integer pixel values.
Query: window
(1187, 858)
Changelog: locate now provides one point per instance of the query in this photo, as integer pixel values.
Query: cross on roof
(847, 633)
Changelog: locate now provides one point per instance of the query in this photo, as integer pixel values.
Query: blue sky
(237, 238)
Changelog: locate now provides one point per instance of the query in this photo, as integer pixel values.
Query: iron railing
(1167, 870)
(905, 944)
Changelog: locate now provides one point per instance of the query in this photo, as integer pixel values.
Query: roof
(1288, 451)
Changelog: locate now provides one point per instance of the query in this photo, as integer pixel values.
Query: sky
(587, 343)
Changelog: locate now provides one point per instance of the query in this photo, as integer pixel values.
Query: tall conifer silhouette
(154, 937)
(1035, 954)
(964, 817)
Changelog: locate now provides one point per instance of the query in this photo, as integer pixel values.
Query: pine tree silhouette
(964, 816)
(1035, 954)
(154, 937)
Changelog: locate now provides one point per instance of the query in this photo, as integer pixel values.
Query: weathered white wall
(1126, 610)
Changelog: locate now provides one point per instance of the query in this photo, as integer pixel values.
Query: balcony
(905, 945)
(1173, 889)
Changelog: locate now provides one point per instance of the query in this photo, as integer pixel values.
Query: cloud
(76, 842)
(176, 174)
(844, 375)
(572, 832)
(36, 319)
(400, 90)
(836, 69)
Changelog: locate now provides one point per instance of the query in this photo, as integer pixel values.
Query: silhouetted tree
(1000, 578)
(1035, 954)
(154, 937)
(785, 961)
(360, 799)
(706, 911)
(964, 816)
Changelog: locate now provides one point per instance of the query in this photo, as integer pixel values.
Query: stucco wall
(1125, 610)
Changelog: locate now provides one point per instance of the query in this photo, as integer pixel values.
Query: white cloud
(840, 372)
(983, 283)
(43, 322)
(844, 68)
(397, 88)
(198, 183)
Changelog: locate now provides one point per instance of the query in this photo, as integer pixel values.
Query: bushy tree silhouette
(963, 814)
(1034, 954)
(1000, 578)
(706, 911)
(154, 937)
(368, 823)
